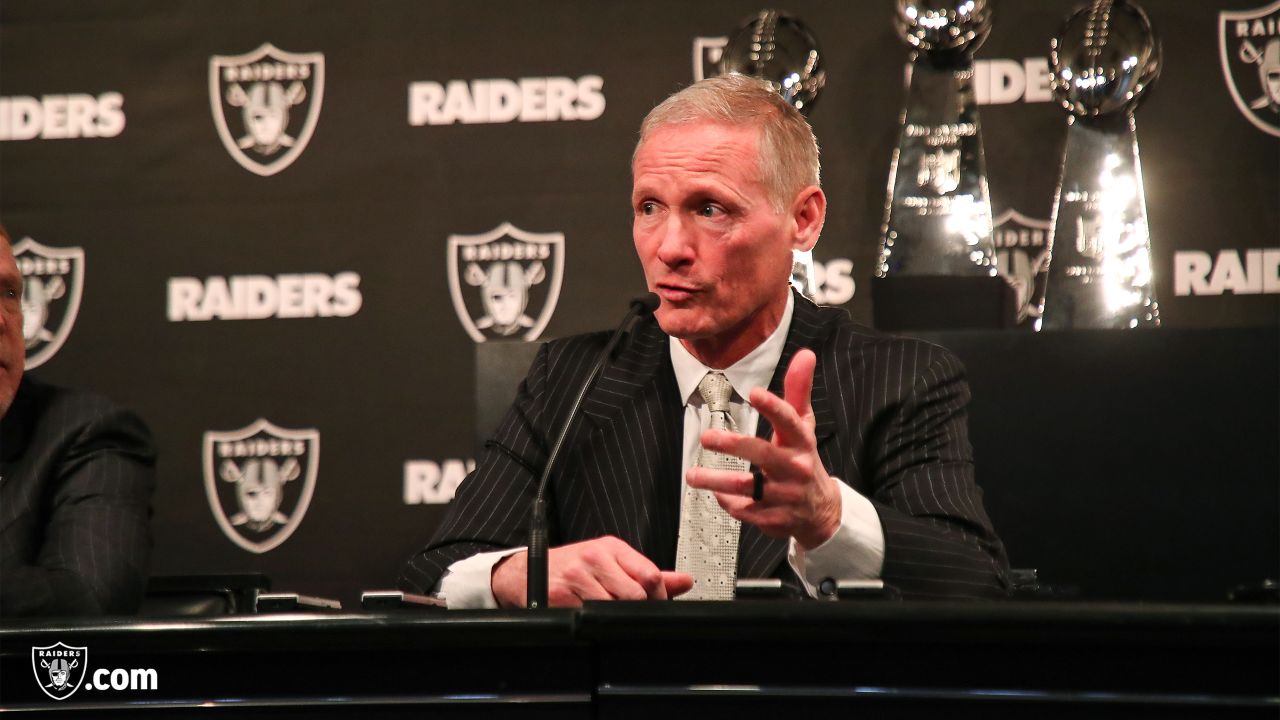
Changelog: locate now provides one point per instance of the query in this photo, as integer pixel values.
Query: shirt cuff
(468, 583)
(854, 552)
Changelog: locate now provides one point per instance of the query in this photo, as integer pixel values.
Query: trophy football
(938, 214)
(779, 49)
(1103, 59)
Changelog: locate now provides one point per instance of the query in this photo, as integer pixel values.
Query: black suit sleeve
(938, 538)
(92, 553)
(488, 511)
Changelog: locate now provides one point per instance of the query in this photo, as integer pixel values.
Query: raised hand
(799, 498)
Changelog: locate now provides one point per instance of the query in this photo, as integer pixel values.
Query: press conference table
(871, 658)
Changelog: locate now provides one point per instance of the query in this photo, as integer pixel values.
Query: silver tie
(707, 547)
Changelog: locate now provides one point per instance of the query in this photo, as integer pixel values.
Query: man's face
(1269, 70)
(12, 348)
(712, 245)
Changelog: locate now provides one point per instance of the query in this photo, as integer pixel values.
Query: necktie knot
(715, 390)
(707, 546)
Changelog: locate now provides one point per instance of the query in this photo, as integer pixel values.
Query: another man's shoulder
(45, 409)
(42, 399)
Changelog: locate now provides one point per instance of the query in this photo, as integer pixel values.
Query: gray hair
(788, 150)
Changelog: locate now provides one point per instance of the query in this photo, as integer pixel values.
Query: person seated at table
(76, 478)
(858, 441)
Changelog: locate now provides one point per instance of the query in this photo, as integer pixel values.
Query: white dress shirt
(854, 552)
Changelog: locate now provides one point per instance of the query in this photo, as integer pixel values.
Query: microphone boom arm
(536, 580)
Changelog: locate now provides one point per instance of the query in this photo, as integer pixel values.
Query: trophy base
(901, 303)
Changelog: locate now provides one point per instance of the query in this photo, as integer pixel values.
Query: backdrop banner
(270, 227)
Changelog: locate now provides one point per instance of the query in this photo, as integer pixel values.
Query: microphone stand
(536, 581)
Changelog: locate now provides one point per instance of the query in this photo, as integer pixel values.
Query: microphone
(536, 581)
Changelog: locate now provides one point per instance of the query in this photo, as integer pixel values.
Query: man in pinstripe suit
(860, 439)
(76, 477)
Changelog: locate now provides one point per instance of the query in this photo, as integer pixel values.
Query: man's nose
(676, 247)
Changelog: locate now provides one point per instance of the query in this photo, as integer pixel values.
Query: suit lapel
(758, 554)
(634, 415)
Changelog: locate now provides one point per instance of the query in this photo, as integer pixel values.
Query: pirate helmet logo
(505, 282)
(52, 285)
(1249, 48)
(259, 481)
(59, 668)
(1022, 255)
(265, 105)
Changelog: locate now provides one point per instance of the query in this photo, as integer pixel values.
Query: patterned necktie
(707, 547)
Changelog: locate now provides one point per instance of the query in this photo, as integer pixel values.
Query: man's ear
(808, 213)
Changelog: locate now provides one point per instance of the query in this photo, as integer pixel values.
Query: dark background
(373, 195)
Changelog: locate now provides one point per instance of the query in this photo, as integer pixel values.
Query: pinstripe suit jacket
(76, 477)
(890, 422)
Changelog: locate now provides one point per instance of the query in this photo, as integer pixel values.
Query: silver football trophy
(938, 214)
(1100, 276)
(779, 49)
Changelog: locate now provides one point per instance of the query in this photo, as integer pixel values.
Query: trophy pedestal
(911, 302)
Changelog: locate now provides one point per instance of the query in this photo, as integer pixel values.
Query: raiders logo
(939, 171)
(259, 480)
(59, 669)
(1090, 243)
(1249, 46)
(505, 282)
(1022, 255)
(265, 105)
(53, 283)
(707, 52)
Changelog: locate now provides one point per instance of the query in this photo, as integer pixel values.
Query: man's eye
(648, 208)
(710, 210)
